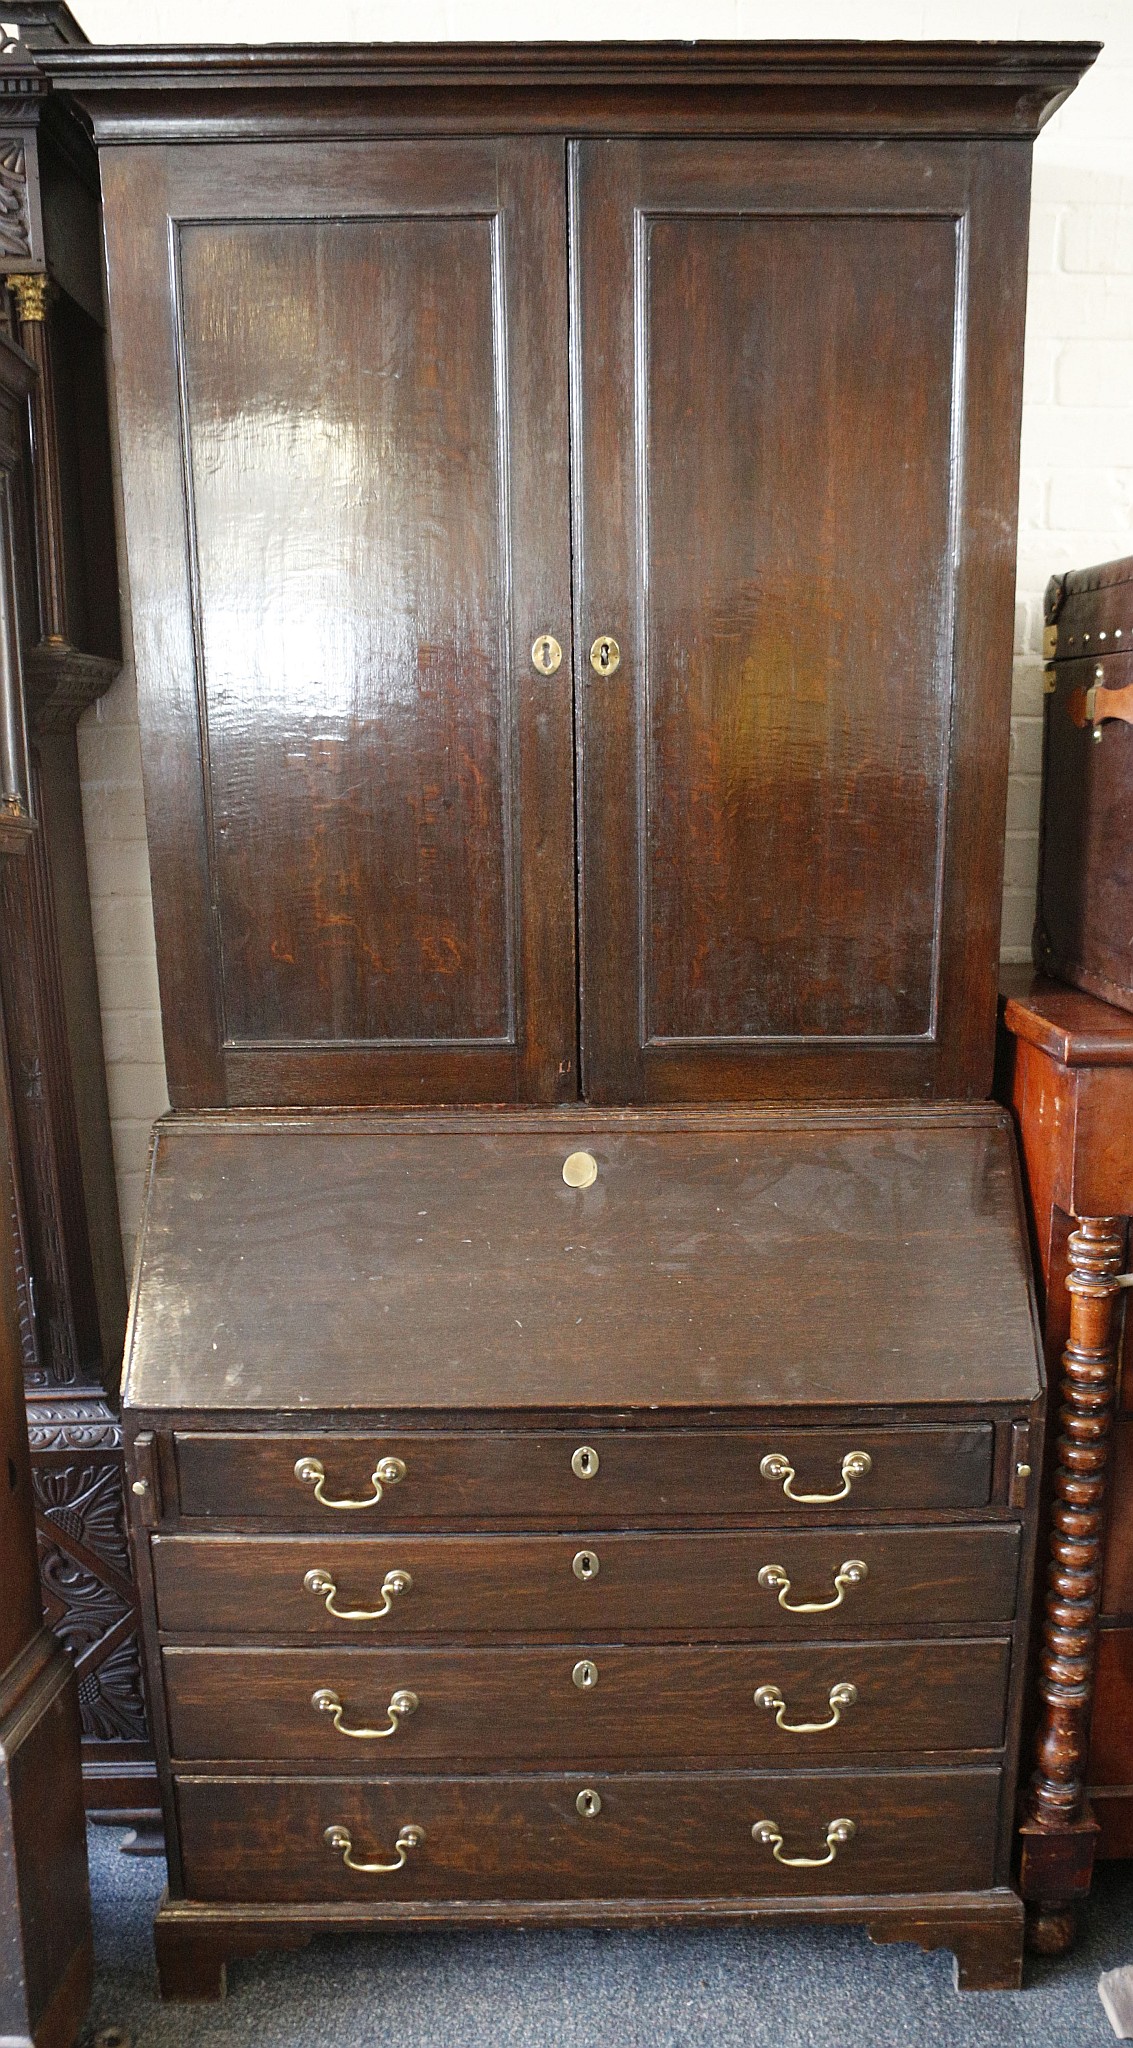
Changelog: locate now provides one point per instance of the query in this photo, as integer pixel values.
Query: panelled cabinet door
(798, 408)
(342, 395)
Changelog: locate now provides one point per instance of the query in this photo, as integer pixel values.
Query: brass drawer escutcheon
(585, 1565)
(325, 1701)
(585, 1674)
(838, 1833)
(409, 1837)
(841, 1696)
(323, 1586)
(773, 1578)
(589, 1803)
(775, 1466)
(585, 1462)
(387, 1472)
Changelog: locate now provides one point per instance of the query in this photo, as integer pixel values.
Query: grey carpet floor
(723, 1988)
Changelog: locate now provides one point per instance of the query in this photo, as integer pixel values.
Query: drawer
(686, 1586)
(585, 1479)
(655, 1836)
(586, 1705)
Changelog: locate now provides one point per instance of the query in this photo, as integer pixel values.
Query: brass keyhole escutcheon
(605, 655)
(585, 1462)
(589, 1803)
(585, 1674)
(546, 654)
(585, 1565)
(580, 1170)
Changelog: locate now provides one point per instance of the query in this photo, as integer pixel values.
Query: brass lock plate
(605, 655)
(546, 654)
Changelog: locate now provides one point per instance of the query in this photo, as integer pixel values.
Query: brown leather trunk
(1084, 926)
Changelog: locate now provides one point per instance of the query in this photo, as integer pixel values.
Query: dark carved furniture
(1069, 1078)
(66, 1228)
(46, 1960)
(569, 496)
(518, 1542)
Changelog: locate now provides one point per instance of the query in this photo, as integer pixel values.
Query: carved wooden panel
(85, 1578)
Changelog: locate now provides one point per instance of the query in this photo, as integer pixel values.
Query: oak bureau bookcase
(582, 1383)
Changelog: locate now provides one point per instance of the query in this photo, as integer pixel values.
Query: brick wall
(1076, 488)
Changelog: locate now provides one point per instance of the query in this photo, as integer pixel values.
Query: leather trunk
(1084, 926)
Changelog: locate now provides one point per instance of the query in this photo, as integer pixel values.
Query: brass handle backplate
(323, 1586)
(840, 1697)
(325, 1701)
(409, 1837)
(773, 1578)
(838, 1833)
(312, 1472)
(605, 655)
(775, 1466)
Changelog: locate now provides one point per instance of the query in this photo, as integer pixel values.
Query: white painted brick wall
(1076, 483)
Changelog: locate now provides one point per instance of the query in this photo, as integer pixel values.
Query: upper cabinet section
(607, 523)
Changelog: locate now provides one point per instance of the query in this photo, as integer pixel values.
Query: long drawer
(592, 1836)
(774, 1584)
(595, 1479)
(603, 1704)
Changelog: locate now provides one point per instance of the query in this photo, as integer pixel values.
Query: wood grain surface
(711, 1263)
(504, 1706)
(262, 1838)
(650, 1584)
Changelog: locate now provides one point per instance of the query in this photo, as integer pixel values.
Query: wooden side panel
(359, 788)
(795, 769)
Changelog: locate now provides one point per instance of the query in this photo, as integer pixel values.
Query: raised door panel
(359, 787)
(789, 370)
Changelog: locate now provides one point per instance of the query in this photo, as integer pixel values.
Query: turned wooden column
(1059, 1833)
(1067, 1070)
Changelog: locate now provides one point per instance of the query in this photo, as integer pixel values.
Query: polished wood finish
(699, 1271)
(370, 892)
(501, 1838)
(491, 1479)
(514, 1705)
(1068, 1070)
(362, 809)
